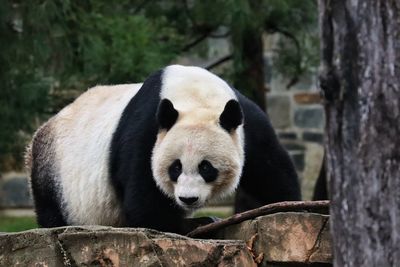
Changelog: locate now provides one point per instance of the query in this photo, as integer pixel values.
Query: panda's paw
(213, 218)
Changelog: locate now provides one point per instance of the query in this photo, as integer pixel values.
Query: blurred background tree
(52, 50)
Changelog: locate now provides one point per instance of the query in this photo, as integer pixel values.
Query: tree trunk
(250, 75)
(248, 55)
(360, 79)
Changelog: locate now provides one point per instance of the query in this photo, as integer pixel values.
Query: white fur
(83, 134)
(192, 186)
(200, 97)
(191, 88)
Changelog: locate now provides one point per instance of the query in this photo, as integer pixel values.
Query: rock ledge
(106, 246)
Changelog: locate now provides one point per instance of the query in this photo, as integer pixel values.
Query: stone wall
(298, 119)
(14, 191)
(297, 115)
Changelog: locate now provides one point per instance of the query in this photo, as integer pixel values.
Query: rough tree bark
(360, 79)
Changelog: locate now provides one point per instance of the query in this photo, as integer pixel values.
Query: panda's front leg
(151, 209)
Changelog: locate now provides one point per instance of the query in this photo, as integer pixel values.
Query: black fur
(175, 170)
(45, 194)
(232, 116)
(143, 203)
(166, 114)
(321, 186)
(268, 174)
(207, 171)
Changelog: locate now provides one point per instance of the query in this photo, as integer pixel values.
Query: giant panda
(145, 155)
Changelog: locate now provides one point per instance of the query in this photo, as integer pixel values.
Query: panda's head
(198, 155)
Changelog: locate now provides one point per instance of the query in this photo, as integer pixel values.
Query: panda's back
(82, 134)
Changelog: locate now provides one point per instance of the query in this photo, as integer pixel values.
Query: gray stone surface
(313, 137)
(267, 69)
(278, 83)
(309, 117)
(287, 135)
(306, 82)
(279, 110)
(105, 246)
(297, 152)
(298, 160)
(293, 146)
(14, 192)
(312, 167)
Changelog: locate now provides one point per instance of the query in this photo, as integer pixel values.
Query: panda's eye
(174, 170)
(207, 171)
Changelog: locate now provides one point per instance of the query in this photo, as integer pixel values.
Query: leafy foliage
(112, 54)
(51, 50)
(24, 86)
(295, 21)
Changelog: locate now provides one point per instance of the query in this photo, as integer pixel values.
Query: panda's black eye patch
(207, 171)
(174, 170)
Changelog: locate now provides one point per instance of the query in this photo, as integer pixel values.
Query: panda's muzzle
(189, 200)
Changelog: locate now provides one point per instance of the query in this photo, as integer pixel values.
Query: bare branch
(219, 62)
(220, 35)
(195, 42)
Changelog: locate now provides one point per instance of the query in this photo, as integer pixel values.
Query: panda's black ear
(232, 116)
(166, 114)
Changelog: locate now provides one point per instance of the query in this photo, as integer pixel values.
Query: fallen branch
(219, 62)
(188, 46)
(315, 206)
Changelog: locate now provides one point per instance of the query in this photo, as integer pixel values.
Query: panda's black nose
(188, 200)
